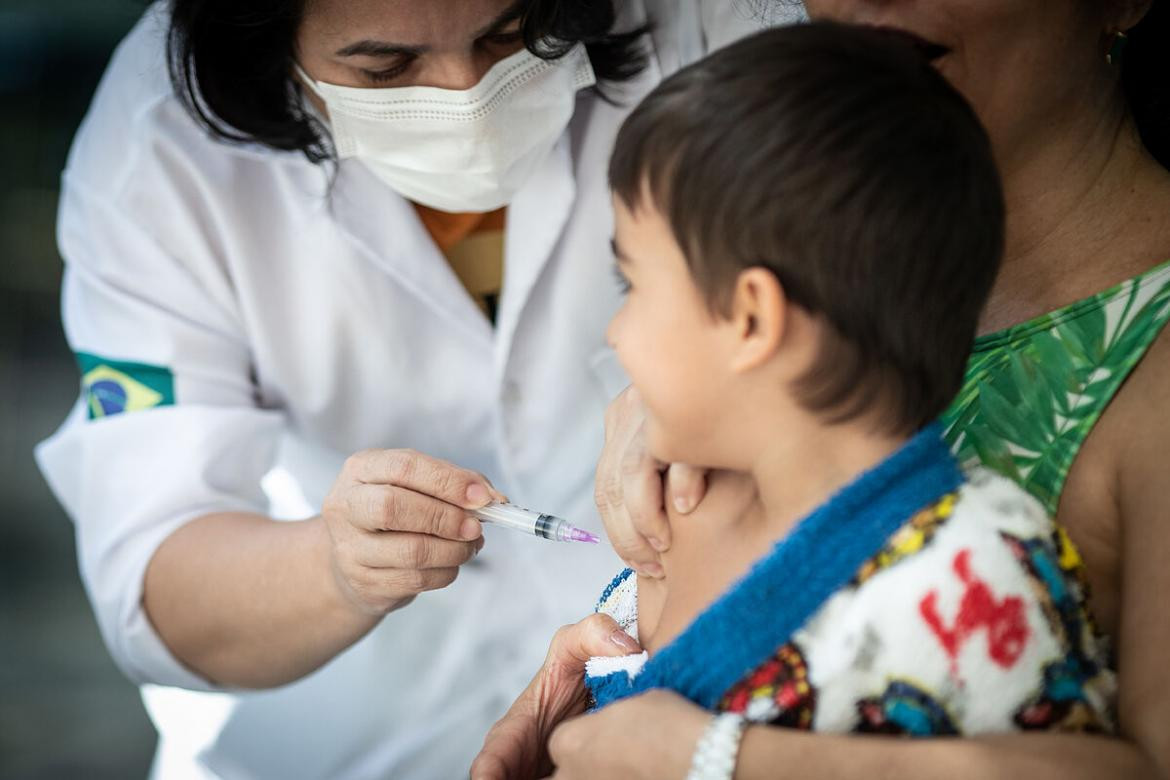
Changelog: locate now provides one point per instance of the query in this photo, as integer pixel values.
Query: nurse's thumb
(596, 635)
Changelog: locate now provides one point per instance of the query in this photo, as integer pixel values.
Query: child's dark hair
(840, 160)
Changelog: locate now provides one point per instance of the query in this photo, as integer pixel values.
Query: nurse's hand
(632, 488)
(399, 525)
(516, 747)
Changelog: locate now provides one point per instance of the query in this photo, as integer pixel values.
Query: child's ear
(758, 310)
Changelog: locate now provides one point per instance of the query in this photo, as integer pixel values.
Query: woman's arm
(654, 735)
(246, 601)
(250, 602)
(769, 752)
(1143, 645)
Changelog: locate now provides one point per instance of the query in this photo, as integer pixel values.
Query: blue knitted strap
(760, 613)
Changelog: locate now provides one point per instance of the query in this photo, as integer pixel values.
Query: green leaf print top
(1034, 391)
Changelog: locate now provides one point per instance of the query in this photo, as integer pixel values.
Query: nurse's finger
(629, 546)
(685, 487)
(596, 635)
(396, 550)
(423, 474)
(628, 483)
(489, 766)
(630, 503)
(398, 583)
(388, 508)
(642, 488)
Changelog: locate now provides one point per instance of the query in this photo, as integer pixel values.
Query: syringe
(526, 521)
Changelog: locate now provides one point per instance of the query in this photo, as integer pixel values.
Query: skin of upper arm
(1143, 643)
(651, 597)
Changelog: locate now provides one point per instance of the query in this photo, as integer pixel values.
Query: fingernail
(651, 570)
(657, 543)
(470, 529)
(478, 495)
(683, 504)
(624, 641)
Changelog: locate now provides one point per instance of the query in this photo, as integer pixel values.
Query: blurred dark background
(65, 710)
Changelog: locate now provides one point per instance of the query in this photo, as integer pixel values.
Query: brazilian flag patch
(112, 387)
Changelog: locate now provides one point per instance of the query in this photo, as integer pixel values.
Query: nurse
(317, 254)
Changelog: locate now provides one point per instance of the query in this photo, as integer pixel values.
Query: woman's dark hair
(841, 161)
(1145, 77)
(231, 62)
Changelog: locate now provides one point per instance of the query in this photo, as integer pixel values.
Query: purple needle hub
(583, 536)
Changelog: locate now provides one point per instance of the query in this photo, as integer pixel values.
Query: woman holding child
(1066, 393)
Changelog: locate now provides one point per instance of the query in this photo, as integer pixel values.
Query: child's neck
(800, 468)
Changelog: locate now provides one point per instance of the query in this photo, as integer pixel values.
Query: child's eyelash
(622, 281)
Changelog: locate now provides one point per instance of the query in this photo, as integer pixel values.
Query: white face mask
(460, 150)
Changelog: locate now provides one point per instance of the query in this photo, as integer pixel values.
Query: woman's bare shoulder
(1143, 501)
(1113, 474)
(1139, 423)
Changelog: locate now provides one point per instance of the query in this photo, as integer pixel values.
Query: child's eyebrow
(618, 252)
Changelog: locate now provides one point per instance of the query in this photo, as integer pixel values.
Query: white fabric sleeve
(684, 31)
(129, 480)
(726, 21)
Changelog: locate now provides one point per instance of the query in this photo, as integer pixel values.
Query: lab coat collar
(384, 227)
(536, 219)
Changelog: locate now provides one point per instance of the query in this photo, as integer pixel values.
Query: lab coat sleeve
(684, 31)
(131, 479)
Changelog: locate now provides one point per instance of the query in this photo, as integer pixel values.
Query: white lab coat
(304, 320)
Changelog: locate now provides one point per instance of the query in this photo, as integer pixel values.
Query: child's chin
(663, 448)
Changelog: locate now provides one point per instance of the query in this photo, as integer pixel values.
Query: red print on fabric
(1007, 628)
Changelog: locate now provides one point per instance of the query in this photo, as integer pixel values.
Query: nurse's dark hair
(838, 159)
(231, 62)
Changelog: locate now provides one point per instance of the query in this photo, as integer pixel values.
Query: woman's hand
(516, 747)
(650, 737)
(629, 489)
(399, 525)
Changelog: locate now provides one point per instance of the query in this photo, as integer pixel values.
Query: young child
(808, 223)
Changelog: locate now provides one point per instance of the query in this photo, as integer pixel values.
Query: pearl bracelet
(718, 748)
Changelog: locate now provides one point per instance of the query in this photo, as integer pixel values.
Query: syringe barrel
(525, 520)
(511, 516)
